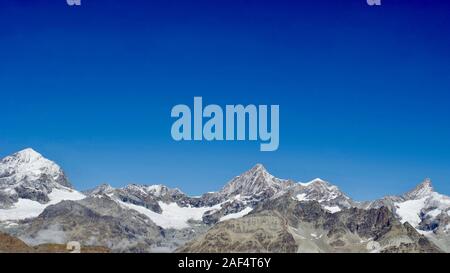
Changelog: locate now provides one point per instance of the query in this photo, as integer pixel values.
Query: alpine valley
(40, 211)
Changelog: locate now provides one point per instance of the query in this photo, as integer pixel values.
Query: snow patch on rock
(172, 216)
(333, 209)
(26, 208)
(237, 215)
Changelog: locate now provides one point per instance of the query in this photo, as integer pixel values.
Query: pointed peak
(259, 171)
(31, 167)
(105, 186)
(427, 183)
(30, 151)
(24, 156)
(255, 181)
(422, 190)
(259, 167)
(101, 189)
(157, 189)
(27, 154)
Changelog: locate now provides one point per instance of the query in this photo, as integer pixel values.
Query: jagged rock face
(323, 192)
(291, 226)
(28, 175)
(388, 201)
(147, 196)
(424, 189)
(7, 200)
(257, 182)
(103, 189)
(140, 196)
(373, 223)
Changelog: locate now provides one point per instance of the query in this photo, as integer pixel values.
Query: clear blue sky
(364, 92)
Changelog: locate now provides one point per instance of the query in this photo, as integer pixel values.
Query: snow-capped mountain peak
(425, 209)
(29, 183)
(424, 189)
(25, 158)
(259, 167)
(256, 181)
(29, 165)
(152, 190)
(160, 190)
(26, 155)
(103, 189)
(327, 194)
(258, 171)
(27, 175)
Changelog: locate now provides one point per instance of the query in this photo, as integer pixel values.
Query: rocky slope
(93, 221)
(288, 225)
(10, 244)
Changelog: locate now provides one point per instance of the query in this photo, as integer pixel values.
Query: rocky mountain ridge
(39, 205)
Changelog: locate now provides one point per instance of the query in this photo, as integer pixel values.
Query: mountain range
(254, 212)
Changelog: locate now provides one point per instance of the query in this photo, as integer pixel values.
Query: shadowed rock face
(285, 225)
(255, 182)
(7, 200)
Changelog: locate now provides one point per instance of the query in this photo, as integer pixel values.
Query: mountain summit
(27, 175)
(255, 182)
(27, 155)
(30, 166)
(424, 189)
